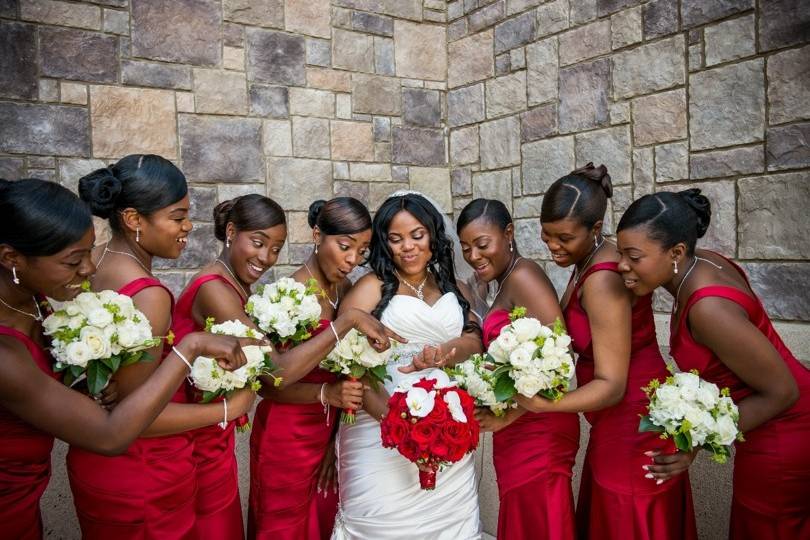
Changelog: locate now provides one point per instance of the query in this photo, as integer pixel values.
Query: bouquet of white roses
(95, 334)
(287, 311)
(694, 412)
(531, 359)
(475, 376)
(354, 358)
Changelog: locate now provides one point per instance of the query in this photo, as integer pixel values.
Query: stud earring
(138, 234)
(14, 277)
(675, 266)
(227, 241)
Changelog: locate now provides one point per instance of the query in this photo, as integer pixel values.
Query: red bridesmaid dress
(25, 460)
(146, 493)
(534, 459)
(771, 498)
(219, 510)
(287, 445)
(616, 501)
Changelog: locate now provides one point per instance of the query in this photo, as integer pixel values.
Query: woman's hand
(534, 404)
(430, 357)
(345, 394)
(227, 350)
(109, 396)
(488, 421)
(379, 336)
(327, 472)
(240, 402)
(667, 466)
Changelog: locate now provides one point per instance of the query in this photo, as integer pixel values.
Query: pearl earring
(14, 277)
(511, 247)
(227, 241)
(138, 234)
(675, 266)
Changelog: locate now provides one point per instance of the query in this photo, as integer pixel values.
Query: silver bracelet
(324, 402)
(337, 337)
(182, 357)
(224, 423)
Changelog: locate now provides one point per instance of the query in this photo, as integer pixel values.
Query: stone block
(287, 193)
(382, 152)
(215, 149)
(606, 7)
(12, 168)
(384, 58)
(405, 9)
(525, 207)
(189, 40)
(233, 58)
(789, 85)
(625, 28)
(656, 66)
(61, 13)
(381, 128)
(506, 95)
(268, 13)
(70, 170)
(788, 147)
(116, 22)
(782, 287)
(585, 42)
(420, 50)
(538, 123)
(202, 201)
(461, 182)
(622, 199)
(233, 35)
(370, 172)
(421, 107)
(341, 18)
(517, 58)
(527, 237)
(730, 40)
(643, 167)
(716, 121)
(722, 233)
(608, 146)
(312, 102)
(343, 106)
(487, 16)
(783, 23)
(18, 61)
(455, 9)
(352, 141)
(500, 143)
(353, 51)
(399, 173)
(201, 249)
(277, 136)
(8, 8)
(695, 57)
(340, 170)
(372, 24)
(378, 193)
(319, 52)
(78, 55)
(457, 30)
(545, 161)
(60, 130)
(552, 17)
(372, 94)
(42, 162)
(358, 190)
(671, 162)
(659, 117)
(310, 137)
(697, 12)
(660, 18)
(433, 182)
(464, 145)
(619, 112)
(470, 59)
(220, 92)
(503, 64)
(310, 17)
(732, 162)
(515, 32)
(184, 101)
(542, 71)
(329, 79)
(73, 93)
(418, 146)
(514, 7)
(269, 101)
(584, 95)
(583, 11)
(493, 185)
(465, 105)
(155, 75)
(275, 57)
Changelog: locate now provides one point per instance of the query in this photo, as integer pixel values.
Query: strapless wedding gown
(380, 497)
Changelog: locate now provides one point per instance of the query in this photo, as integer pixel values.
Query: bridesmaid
(533, 453)
(613, 334)
(296, 424)
(149, 491)
(720, 327)
(46, 236)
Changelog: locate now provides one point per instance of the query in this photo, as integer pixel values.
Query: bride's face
(409, 242)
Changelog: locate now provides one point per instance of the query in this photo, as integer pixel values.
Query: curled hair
(39, 218)
(341, 215)
(670, 217)
(145, 182)
(251, 212)
(441, 264)
(581, 195)
(492, 210)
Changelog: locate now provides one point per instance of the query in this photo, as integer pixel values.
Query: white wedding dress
(380, 497)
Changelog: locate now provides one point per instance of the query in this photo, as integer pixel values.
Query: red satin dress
(534, 461)
(219, 510)
(287, 445)
(616, 501)
(771, 498)
(25, 460)
(144, 494)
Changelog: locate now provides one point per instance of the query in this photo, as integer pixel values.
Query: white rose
(496, 351)
(100, 317)
(521, 357)
(526, 328)
(54, 322)
(546, 332)
(563, 341)
(688, 384)
(310, 308)
(231, 328)
(284, 328)
(129, 334)
(77, 353)
(206, 374)
(507, 341)
(725, 405)
(726, 430)
(76, 322)
(529, 384)
(707, 394)
(96, 342)
(87, 302)
(287, 303)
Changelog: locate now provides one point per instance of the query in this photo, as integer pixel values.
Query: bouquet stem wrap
(427, 479)
(349, 416)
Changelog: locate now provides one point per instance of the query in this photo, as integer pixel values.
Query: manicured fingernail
(659, 482)
(645, 467)
(649, 475)
(649, 453)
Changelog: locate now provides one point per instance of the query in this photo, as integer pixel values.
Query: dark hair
(39, 218)
(145, 182)
(341, 215)
(441, 264)
(492, 210)
(582, 195)
(247, 213)
(670, 217)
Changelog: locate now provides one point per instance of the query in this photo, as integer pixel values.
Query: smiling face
(164, 233)
(645, 265)
(339, 254)
(409, 242)
(252, 253)
(60, 276)
(485, 247)
(568, 240)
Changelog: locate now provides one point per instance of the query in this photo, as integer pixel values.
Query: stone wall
(302, 99)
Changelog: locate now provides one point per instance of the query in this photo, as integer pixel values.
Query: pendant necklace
(326, 294)
(418, 289)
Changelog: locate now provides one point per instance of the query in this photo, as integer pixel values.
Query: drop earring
(227, 241)
(14, 277)
(675, 266)
(138, 235)
(511, 247)
(316, 249)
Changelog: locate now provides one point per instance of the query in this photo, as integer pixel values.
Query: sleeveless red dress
(771, 498)
(287, 445)
(534, 461)
(147, 492)
(616, 501)
(25, 460)
(219, 510)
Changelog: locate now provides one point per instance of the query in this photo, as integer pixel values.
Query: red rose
(439, 414)
(393, 430)
(456, 452)
(397, 402)
(409, 450)
(424, 433)
(427, 384)
(440, 449)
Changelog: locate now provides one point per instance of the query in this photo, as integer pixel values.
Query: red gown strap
(137, 285)
(493, 323)
(202, 280)
(723, 291)
(598, 267)
(41, 358)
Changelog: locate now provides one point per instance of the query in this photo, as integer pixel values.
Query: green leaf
(98, 375)
(504, 388)
(682, 442)
(380, 373)
(76, 371)
(647, 425)
(357, 371)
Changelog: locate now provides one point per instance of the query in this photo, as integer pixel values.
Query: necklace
(236, 279)
(36, 316)
(508, 273)
(686, 275)
(588, 260)
(326, 294)
(418, 288)
(126, 254)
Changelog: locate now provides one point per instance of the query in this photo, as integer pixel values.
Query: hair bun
(596, 174)
(222, 215)
(702, 207)
(100, 189)
(315, 211)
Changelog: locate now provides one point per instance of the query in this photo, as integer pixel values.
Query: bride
(413, 291)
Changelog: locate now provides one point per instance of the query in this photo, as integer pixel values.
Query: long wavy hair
(441, 263)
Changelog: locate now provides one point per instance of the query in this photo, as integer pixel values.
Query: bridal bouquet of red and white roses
(430, 422)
